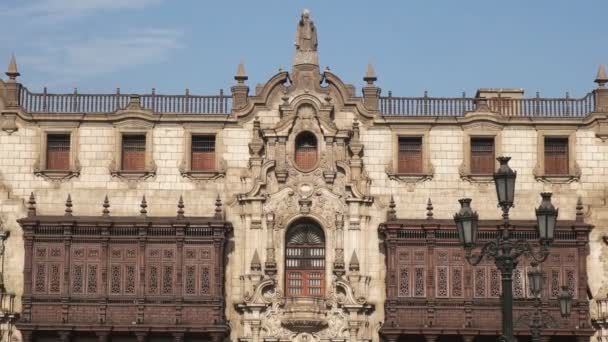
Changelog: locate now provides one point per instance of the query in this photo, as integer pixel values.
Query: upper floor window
(306, 151)
(133, 152)
(58, 151)
(203, 153)
(556, 156)
(482, 155)
(410, 155)
(305, 260)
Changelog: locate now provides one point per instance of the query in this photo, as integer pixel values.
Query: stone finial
(241, 75)
(68, 206)
(218, 208)
(12, 72)
(429, 210)
(353, 265)
(391, 214)
(143, 212)
(31, 206)
(256, 265)
(601, 79)
(580, 215)
(106, 207)
(180, 208)
(370, 75)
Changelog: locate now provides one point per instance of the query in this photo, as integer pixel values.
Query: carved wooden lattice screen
(86, 270)
(305, 260)
(134, 152)
(58, 152)
(410, 155)
(203, 153)
(306, 151)
(48, 268)
(556, 156)
(482, 156)
(412, 273)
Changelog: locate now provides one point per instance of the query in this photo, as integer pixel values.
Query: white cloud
(55, 46)
(53, 10)
(75, 58)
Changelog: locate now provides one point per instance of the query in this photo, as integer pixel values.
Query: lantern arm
(524, 247)
(490, 249)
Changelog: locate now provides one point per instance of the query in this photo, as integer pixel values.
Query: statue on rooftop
(306, 34)
(306, 41)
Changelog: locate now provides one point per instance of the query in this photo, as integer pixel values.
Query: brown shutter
(58, 152)
(556, 156)
(410, 155)
(482, 156)
(203, 153)
(134, 152)
(306, 151)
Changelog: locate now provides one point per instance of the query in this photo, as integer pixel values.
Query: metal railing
(425, 106)
(107, 103)
(458, 106)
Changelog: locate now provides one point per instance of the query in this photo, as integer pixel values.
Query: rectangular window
(482, 156)
(556, 156)
(58, 151)
(133, 152)
(203, 153)
(410, 155)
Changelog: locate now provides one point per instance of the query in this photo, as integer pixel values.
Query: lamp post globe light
(504, 250)
(539, 320)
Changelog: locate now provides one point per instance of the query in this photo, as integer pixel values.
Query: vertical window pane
(306, 151)
(482, 155)
(410, 155)
(203, 153)
(556, 156)
(134, 152)
(58, 152)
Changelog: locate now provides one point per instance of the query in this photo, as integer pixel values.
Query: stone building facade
(294, 194)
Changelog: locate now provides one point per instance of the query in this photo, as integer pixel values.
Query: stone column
(270, 266)
(339, 259)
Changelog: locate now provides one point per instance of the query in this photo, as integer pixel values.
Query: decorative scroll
(404, 282)
(555, 283)
(55, 279)
(457, 282)
(570, 281)
(40, 282)
(190, 283)
(518, 284)
(442, 281)
(77, 281)
(480, 282)
(205, 281)
(494, 283)
(419, 282)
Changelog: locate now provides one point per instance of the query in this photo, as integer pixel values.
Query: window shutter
(482, 156)
(305, 261)
(203, 153)
(410, 155)
(306, 151)
(58, 152)
(556, 156)
(134, 152)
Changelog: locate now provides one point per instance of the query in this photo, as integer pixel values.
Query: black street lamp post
(505, 250)
(539, 320)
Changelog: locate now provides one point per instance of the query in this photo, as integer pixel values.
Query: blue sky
(445, 47)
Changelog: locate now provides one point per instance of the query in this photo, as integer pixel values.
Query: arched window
(305, 260)
(306, 151)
